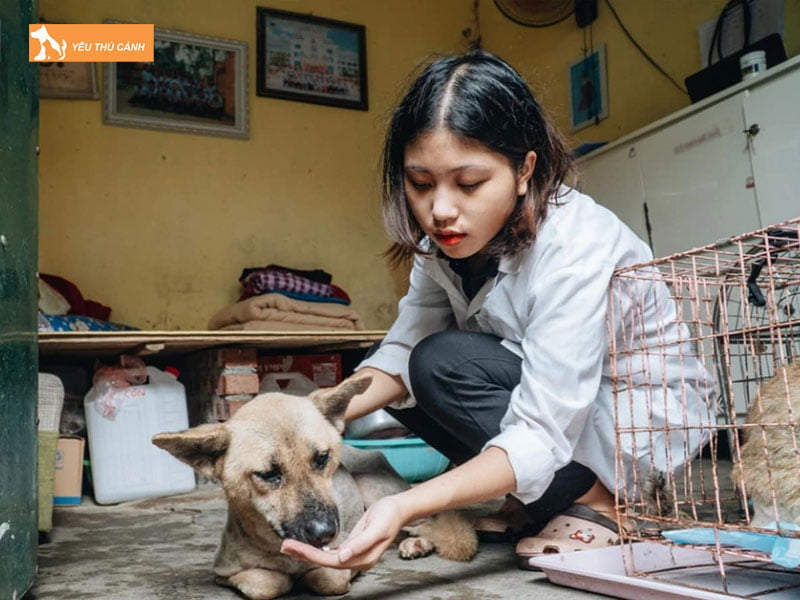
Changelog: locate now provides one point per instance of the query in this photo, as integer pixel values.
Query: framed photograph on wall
(67, 80)
(311, 59)
(196, 84)
(588, 91)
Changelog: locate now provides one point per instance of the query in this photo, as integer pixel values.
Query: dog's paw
(327, 582)
(258, 584)
(415, 547)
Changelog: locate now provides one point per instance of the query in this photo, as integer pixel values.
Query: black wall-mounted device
(585, 12)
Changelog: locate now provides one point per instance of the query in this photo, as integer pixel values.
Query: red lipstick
(450, 239)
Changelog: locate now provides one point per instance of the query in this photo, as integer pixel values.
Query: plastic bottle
(125, 464)
(290, 382)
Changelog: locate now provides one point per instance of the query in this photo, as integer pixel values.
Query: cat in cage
(769, 469)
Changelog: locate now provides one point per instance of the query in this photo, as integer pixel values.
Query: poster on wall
(67, 80)
(196, 84)
(588, 93)
(311, 59)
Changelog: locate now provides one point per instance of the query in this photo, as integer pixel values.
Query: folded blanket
(279, 308)
(279, 326)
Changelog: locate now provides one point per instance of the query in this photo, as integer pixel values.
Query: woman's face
(460, 192)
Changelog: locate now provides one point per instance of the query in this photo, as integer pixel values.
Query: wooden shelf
(104, 343)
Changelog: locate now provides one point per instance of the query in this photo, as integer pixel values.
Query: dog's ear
(199, 447)
(332, 402)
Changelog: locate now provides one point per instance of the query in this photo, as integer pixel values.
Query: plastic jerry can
(289, 382)
(126, 465)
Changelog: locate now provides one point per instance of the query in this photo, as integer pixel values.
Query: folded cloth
(314, 275)
(277, 307)
(262, 281)
(51, 302)
(339, 293)
(78, 304)
(78, 323)
(267, 325)
(784, 550)
(308, 297)
(308, 322)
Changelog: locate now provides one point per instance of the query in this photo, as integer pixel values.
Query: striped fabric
(272, 280)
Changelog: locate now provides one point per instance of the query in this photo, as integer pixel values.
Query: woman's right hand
(372, 535)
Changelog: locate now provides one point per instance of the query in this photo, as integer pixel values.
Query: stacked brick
(219, 382)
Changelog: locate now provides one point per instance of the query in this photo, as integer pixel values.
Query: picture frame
(73, 80)
(311, 59)
(588, 89)
(196, 84)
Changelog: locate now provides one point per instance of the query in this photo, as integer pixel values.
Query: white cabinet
(697, 179)
(725, 166)
(623, 192)
(774, 108)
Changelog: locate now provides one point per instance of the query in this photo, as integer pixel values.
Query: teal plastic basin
(411, 457)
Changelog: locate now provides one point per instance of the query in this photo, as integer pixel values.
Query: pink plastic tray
(668, 573)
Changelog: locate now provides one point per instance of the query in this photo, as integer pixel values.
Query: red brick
(245, 383)
(234, 357)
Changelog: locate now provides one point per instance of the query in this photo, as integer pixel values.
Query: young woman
(499, 355)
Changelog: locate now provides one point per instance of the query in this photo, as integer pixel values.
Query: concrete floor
(163, 549)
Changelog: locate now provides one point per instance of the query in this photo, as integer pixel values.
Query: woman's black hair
(476, 95)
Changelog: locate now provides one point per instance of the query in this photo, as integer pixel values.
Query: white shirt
(549, 305)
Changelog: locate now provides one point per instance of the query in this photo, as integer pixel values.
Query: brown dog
(770, 464)
(286, 474)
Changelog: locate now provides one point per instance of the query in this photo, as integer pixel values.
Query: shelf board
(99, 343)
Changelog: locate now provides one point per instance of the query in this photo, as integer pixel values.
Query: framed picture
(588, 93)
(311, 59)
(67, 80)
(196, 84)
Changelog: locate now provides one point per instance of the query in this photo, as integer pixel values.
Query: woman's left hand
(372, 535)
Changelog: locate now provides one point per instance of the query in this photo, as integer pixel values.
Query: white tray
(672, 573)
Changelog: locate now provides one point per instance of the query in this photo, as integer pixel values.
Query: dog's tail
(451, 534)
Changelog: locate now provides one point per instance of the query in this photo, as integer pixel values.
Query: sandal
(577, 528)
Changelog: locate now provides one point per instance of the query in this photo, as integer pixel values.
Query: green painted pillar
(19, 134)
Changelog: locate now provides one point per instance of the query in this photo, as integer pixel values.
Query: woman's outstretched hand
(372, 535)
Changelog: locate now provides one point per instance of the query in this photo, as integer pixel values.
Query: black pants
(462, 382)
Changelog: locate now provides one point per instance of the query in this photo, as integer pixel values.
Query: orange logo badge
(107, 42)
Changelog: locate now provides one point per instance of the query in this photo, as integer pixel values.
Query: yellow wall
(637, 93)
(158, 225)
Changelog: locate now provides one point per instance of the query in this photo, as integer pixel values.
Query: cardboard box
(69, 470)
(325, 370)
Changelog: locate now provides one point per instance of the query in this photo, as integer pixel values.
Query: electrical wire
(638, 47)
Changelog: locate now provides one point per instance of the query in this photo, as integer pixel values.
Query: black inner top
(472, 281)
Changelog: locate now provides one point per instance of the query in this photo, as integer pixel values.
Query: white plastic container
(125, 463)
(289, 382)
(753, 64)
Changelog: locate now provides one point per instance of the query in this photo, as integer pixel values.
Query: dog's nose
(319, 532)
(317, 524)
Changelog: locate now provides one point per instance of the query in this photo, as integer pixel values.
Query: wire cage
(705, 370)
